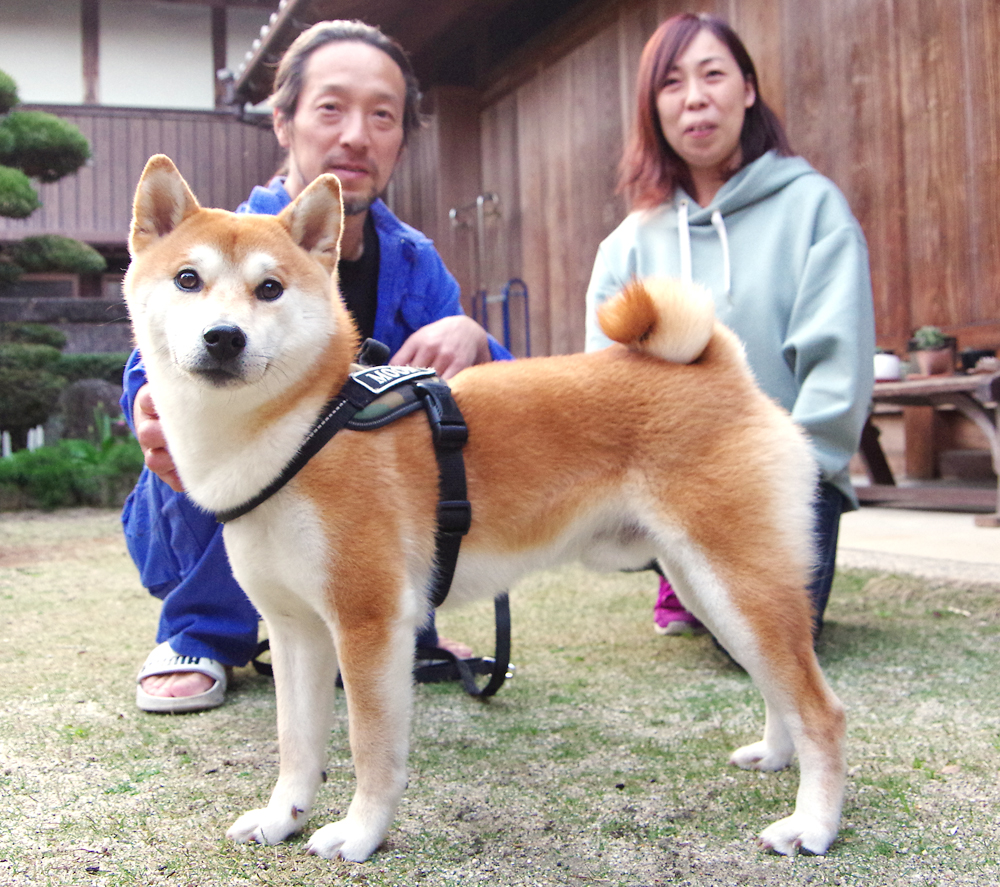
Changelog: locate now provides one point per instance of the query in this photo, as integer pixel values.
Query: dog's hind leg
(769, 632)
(305, 668)
(376, 659)
(797, 696)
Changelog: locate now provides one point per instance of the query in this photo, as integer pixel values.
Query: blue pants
(181, 559)
(827, 508)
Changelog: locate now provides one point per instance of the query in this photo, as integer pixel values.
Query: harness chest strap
(418, 387)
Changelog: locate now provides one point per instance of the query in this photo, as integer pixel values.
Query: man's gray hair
(289, 79)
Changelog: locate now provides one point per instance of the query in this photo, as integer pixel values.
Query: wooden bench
(976, 396)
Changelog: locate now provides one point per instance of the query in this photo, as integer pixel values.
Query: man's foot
(177, 684)
(169, 682)
(669, 615)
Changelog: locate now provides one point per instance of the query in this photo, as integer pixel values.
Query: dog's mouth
(219, 376)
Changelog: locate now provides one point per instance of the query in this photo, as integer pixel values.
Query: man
(345, 101)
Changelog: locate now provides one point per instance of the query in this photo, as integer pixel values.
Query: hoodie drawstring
(684, 237)
(685, 241)
(720, 230)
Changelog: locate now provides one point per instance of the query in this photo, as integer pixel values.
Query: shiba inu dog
(660, 447)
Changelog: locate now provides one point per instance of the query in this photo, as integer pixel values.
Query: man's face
(348, 121)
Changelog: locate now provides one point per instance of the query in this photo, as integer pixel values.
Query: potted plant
(933, 352)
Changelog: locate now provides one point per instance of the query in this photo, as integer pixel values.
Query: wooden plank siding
(221, 158)
(895, 100)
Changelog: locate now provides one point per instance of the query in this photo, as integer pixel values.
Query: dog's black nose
(225, 341)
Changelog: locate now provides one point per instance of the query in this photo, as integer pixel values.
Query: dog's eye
(188, 280)
(269, 290)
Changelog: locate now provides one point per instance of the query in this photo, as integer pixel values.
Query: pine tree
(34, 145)
(37, 145)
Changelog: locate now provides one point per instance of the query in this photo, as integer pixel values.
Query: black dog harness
(361, 406)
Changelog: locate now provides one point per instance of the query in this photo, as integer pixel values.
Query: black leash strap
(442, 665)
(452, 668)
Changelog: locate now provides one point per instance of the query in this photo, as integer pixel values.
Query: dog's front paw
(761, 756)
(264, 826)
(798, 832)
(345, 839)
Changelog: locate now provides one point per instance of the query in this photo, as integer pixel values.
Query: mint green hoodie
(787, 264)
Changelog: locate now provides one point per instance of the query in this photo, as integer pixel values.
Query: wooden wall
(221, 158)
(895, 100)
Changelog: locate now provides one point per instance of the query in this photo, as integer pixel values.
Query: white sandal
(163, 660)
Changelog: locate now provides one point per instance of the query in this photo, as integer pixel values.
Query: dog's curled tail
(662, 316)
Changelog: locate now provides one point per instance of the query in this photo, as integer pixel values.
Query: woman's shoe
(669, 615)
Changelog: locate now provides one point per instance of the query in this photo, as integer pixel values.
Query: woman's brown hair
(650, 169)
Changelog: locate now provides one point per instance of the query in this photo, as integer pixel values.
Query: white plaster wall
(41, 48)
(243, 26)
(156, 55)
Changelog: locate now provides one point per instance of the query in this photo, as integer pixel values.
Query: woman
(718, 198)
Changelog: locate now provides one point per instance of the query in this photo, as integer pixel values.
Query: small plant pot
(940, 362)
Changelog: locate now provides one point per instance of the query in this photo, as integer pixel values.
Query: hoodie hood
(756, 182)
(751, 185)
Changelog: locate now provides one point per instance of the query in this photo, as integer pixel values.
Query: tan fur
(659, 447)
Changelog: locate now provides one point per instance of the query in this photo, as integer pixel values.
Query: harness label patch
(381, 379)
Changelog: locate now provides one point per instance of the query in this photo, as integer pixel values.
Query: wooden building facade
(221, 158)
(878, 95)
(892, 99)
(529, 104)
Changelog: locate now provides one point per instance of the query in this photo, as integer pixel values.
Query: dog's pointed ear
(315, 220)
(162, 201)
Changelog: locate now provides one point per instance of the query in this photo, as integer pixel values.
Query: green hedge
(29, 388)
(72, 473)
(32, 334)
(74, 367)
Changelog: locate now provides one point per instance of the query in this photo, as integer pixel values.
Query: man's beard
(358, 205)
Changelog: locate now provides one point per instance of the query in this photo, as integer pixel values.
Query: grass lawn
(603, 762)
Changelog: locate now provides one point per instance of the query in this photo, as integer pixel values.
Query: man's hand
(149, 433)
(449, 345)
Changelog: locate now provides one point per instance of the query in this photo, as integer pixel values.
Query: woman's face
(702, 105)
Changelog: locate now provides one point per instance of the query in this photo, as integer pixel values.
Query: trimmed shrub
(52, 252)
(9, 272)
(72, 473)
(8, 92)
(32, 334)
(18, 198)
(77, 367)
(33, 374)
(29, 388)
(43, 146)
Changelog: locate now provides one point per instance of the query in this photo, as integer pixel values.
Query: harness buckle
(447, 424)
(454, 516)
(450, 435)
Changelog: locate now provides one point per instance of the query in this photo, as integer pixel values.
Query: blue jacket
(414, 287)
